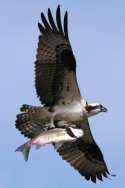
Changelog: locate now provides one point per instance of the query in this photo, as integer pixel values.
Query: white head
(94, 108)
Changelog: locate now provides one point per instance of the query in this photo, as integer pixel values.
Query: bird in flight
(62, 104)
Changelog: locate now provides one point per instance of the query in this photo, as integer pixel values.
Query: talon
(50, 125)
(61, 124)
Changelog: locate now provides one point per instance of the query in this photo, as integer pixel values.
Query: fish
(55, 136)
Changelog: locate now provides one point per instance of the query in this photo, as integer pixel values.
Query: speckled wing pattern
(85, 156)
(32, 121)
(55, 66)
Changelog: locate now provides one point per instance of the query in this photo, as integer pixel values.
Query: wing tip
(45, 22)
(66, 26)
(58, 7)
(50, 24)
(58, 19)
(51, 20)
(41, 28)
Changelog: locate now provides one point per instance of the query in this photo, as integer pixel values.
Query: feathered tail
(32, 120)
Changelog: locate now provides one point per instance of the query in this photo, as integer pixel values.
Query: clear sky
(97, 35)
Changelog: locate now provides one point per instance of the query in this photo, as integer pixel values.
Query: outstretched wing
(55, 66)
(85, 156)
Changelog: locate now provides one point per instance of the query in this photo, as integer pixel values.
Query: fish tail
(24, 149)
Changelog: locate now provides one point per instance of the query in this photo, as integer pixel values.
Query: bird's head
(94, 108)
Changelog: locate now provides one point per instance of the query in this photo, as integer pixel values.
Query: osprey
(62, 104)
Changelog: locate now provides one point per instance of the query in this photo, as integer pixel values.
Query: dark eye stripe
(90, 108)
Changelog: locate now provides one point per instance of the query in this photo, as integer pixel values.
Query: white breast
(70, 112)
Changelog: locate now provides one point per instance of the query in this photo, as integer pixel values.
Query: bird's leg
(52, 122)
(61, 123)
(51, 125)
(64, 124)
(73, 125)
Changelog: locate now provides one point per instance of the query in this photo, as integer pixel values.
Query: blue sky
(97, 35)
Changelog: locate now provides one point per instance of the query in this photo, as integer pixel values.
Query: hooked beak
(104, 109)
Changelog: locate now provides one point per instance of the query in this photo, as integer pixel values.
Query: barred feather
(32, 121)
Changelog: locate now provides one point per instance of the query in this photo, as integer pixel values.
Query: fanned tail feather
(30, 122)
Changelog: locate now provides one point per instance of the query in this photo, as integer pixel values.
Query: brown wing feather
(55, 64)
(32, 121)
(85, 156)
